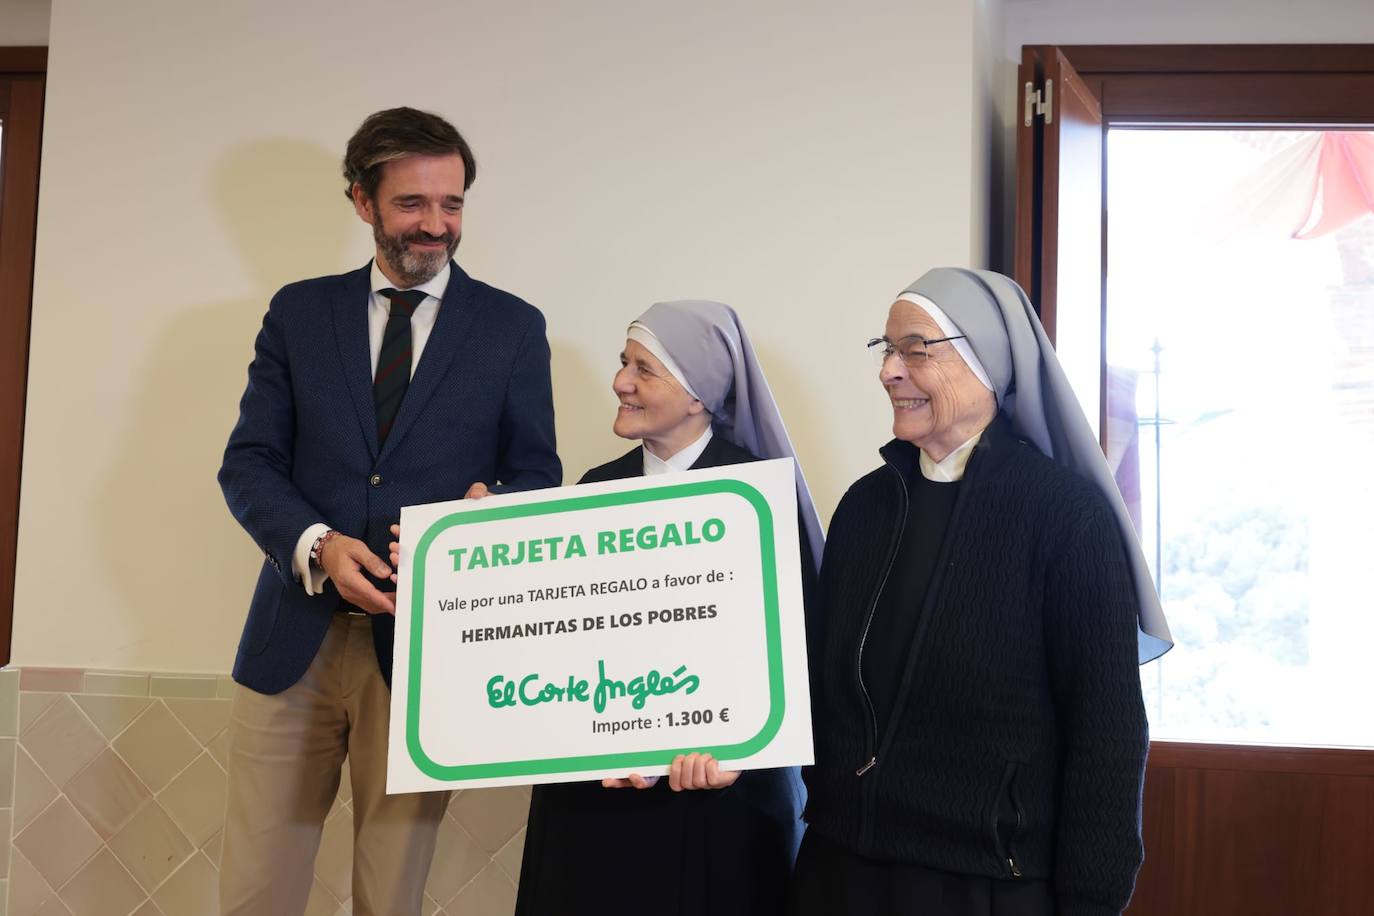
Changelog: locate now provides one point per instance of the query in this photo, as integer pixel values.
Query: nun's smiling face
(654, 406)
(938, 404)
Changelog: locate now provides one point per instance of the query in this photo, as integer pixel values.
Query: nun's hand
(699, 771)
(634, 780)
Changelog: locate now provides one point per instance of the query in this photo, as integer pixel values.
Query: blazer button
(375, 480)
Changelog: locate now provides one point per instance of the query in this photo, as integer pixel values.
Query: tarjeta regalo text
(571, 546)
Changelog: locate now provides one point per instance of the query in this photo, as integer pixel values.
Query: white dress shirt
(952, 467)
(681, 461)
(378, 311)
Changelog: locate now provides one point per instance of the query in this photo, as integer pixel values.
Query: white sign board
(599, 630)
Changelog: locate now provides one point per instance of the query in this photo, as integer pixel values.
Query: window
(1240, 420)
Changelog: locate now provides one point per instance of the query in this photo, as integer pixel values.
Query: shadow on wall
(183, 568)
(1001, 166)
(804, 429)
(585, 408)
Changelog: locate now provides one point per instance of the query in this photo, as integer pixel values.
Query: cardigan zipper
(881, 742)
(872, 609)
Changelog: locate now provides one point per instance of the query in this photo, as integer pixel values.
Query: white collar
(434, 286)
(952, 467)
(681, 461)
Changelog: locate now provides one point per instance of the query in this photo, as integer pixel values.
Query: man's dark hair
(394, 134)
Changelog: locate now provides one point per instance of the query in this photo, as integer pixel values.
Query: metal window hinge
(1040, 103)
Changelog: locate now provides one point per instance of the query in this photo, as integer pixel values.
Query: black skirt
(632, 852)
(832, 881)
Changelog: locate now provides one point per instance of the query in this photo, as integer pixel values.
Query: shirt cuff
(313, 579)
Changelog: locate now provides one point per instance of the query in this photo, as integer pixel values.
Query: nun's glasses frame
(913, 350)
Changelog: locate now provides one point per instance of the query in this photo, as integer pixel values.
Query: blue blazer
(304, 450)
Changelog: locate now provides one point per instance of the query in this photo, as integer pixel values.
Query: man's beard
(414, 267)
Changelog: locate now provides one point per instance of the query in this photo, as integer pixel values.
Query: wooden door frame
(1039, 152)
(1307, 830)
(23, 78)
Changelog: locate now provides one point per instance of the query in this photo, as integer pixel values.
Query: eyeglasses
(913, 350)
(642, 372)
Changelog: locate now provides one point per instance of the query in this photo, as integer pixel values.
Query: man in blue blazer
(401, 383)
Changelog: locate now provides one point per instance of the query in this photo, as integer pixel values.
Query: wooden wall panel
(1257, 831)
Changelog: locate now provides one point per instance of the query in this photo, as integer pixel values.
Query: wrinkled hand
(344, 558)
(699, 771)
(634, 780)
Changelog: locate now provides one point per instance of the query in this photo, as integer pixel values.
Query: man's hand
(477, 491)
(344, 558)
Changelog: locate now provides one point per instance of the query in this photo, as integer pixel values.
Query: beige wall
(800, 161)
(24, 22)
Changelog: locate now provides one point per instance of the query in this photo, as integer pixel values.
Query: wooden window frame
(1229, 84)
(23, 78)
(1225, 86)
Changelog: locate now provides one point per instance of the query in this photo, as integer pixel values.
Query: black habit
(630, 852)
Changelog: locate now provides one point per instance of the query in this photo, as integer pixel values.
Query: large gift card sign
(600, 630)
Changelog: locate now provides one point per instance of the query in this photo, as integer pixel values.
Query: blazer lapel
(456, 314)
(350, 330)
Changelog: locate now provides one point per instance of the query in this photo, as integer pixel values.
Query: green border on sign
(772, 630)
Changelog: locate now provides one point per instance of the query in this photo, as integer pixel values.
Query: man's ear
(362, 204)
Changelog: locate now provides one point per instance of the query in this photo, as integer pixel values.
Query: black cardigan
(1017, 741)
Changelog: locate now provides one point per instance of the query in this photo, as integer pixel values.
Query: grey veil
(709, 345)
(1034, 393)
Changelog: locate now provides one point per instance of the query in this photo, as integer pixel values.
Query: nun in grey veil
(708, 345)
(692, 394)
(1033, 392)
(983, 608)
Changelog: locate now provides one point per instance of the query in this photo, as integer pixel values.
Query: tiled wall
(112, 789)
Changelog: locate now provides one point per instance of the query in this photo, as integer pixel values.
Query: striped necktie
(393, 363)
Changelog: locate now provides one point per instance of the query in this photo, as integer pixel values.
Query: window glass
(1240, 405)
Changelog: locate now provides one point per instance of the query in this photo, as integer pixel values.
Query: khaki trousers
(286, 752)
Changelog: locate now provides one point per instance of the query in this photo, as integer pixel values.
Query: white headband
(649, 341)
(950, 329)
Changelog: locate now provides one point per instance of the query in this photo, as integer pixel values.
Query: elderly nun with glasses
(984, 607)
(703, 840)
